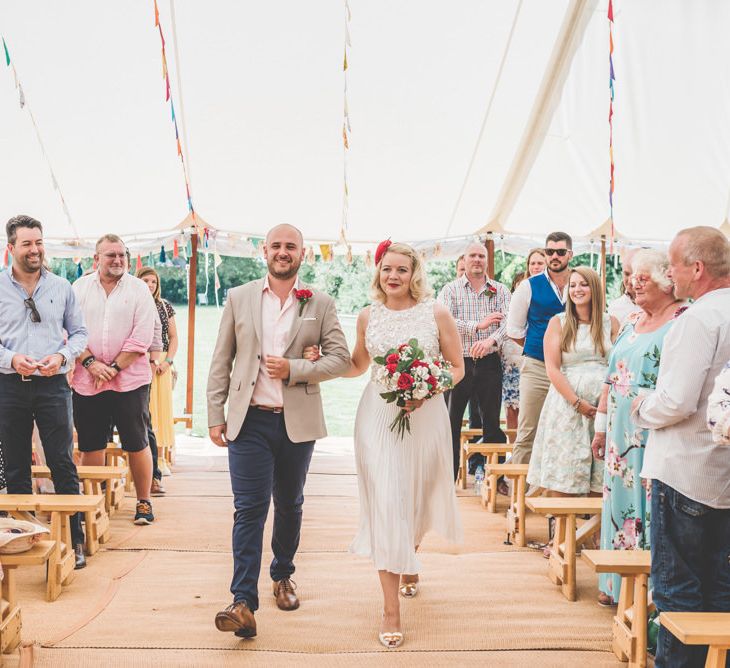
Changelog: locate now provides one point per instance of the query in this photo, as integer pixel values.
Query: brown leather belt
(268, 409)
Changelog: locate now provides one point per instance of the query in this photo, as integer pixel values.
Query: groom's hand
(277, 367)
(218, 435)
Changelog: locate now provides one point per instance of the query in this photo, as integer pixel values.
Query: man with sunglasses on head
(112, 376)
(535, 301)
(42, 332)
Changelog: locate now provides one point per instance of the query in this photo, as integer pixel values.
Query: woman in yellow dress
(162, 378)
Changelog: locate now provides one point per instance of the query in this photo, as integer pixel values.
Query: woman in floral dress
(632, 371)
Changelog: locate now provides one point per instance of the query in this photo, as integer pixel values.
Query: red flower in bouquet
(303, 296)
(393, 358)
(405, 381)
(391, 368)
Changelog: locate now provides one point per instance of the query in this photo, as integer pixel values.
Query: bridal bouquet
(407, 375)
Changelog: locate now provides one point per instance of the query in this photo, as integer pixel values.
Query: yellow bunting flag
(326, 252)
(344, 136)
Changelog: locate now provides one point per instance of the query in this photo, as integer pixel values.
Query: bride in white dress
(406, 485)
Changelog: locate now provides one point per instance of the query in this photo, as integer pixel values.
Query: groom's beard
(285, 273)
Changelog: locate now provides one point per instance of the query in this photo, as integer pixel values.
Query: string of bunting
(346, 131)
(169, 98)
(24, 105)
(611, 83)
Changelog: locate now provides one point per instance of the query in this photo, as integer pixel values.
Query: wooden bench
(701, 628)
(468, 449)
(492, 452)
(630, 621)
(10, 621)
(561, 567)
(517, 473)
(60, 506)
(92, 477)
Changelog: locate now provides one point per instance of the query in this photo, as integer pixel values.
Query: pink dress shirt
(276, 324)
(122, 321)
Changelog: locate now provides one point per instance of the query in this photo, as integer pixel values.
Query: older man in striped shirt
(479, 306)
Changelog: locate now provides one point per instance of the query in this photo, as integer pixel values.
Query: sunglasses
(560, 252)
(34, 315)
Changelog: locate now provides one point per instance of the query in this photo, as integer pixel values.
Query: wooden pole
(603, 264)
(192, 299)
(489, 243)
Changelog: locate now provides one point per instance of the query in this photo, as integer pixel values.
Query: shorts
(129, 411)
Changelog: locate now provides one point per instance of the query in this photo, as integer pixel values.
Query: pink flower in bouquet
(405, 381)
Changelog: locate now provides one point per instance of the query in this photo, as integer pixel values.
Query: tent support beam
(489, 243)
(575, 21)
(192, 298)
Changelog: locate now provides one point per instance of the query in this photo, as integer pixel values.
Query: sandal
(408, 588)
(605, 600)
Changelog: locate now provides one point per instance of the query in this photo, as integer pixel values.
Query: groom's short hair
(291, 227)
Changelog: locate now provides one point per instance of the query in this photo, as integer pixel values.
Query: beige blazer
(238, 347)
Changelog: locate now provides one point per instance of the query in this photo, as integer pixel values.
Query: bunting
(168, 98)
(23, 102)
(163, 256)
(611, 85)
(346, 130)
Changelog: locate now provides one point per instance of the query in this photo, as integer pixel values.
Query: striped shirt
(680, 451)
(470, 307)
(61, 329)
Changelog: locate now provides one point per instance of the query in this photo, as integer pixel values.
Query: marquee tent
(465, 117)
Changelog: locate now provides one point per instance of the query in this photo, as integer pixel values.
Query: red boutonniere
(491, 289)
(303, 296)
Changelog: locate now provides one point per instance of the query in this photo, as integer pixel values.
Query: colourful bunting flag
(139, 261)
(175, 249)
(93, 265)
(163, 257)
(79, 270)
(157, 14)
(7, 53)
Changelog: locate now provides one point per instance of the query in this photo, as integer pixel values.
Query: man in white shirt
(690, 474)
(622, 307)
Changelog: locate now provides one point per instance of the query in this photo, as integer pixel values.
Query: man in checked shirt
(479, 306)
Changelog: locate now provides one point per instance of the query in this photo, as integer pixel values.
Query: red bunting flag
(139, 262)
(175, 249)
(610, 10)
(157, 14)
(93, 266)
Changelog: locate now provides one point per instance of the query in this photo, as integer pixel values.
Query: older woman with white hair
(632, 371)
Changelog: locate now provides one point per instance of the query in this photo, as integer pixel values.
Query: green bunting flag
(7, 53)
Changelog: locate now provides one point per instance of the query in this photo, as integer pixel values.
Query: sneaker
(165, 469)
(157, 488)
(144, 513)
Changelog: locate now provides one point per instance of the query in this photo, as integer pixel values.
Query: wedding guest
(112, 376)
(274, 415)
(718, 408)
(535, 301)
(460, 266)
(479, 305)
(405, 483)
(512, 351)
(161, 413)
(690, 496)
(622, 307)
(577, 345)
(632, 371)
(41, 332)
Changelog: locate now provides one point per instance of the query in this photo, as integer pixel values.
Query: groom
(274, 415)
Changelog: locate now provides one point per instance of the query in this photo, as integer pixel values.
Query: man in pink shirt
(112, 376)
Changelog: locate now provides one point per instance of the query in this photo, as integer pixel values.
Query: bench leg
(92, 535)
(623, 638)
(462, 465)
(521, 510)
(639, 622)
(556, 565)
(53, 584)
(10, 623)
(716, 657)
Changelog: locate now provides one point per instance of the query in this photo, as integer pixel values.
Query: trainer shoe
(144, 513)
(157, 488)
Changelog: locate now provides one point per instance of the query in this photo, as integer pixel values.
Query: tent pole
(192, 298)
(489, 243)
(603, 264)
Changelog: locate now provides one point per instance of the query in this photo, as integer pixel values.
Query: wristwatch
(88, 361)
(116, 367)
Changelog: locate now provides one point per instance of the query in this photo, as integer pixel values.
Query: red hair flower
(380, 250)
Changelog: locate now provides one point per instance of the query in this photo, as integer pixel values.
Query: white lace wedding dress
(406, 485)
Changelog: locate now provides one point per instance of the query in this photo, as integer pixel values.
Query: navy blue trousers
(690, 567)
(265, 463)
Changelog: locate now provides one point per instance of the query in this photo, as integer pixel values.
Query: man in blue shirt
(41, 334)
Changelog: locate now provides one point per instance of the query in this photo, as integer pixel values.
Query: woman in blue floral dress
(632, 371)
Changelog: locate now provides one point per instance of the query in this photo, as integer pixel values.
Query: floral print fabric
(632, 372)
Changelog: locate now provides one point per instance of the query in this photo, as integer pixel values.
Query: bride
(406, 485)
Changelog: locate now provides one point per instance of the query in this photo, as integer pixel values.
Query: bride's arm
(449, 341)
(360, 360)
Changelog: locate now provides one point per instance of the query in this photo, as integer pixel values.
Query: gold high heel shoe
(391, 639)
(408, 588)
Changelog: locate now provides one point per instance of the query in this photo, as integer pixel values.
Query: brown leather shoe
(286, 599)
(238, 619)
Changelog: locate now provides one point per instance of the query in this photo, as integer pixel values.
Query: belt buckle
(277, 410)
(25, 379)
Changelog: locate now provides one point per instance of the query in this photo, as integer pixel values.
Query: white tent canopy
(263, 108)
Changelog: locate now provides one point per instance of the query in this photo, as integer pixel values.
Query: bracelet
(576, 403)
(601, 423)
(169, 360)
(88, 361)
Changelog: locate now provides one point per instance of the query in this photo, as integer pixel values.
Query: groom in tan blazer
(274, 415)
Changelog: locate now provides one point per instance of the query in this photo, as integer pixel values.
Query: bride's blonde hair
(418, 287)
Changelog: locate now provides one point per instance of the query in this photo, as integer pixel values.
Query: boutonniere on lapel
(303, 297)
(491, 289)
